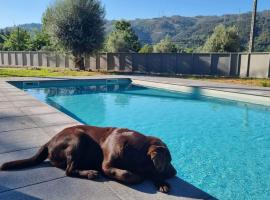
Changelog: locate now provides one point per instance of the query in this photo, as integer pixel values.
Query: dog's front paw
(92, 174)
(163, 187)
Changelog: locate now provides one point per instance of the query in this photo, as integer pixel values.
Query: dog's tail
(38, 158)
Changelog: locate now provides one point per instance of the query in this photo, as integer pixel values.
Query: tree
(40, 41)
(165, 46)
(122, 38)
(75, 26)
(18, 40)
(147, 48)
(223, 40)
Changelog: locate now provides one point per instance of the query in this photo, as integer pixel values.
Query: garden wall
(255, 65)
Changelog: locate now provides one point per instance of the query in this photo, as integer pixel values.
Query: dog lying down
(121, 154)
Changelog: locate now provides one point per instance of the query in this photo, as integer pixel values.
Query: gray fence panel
(153, 63)
(35, 57)
(184, 63)
(61, 61)
(125, 62)
(202, 64)
(6, 59)
(103, 62)
(259, 66)
(234, 65)
(169, 62)
(19, 58)
(93, 63)
(113, 62)
(138, 62)
(1, 59)
(221, 64)
(13, 58)
(243, 65)
(52, 60)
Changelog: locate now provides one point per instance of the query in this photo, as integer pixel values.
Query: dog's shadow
(179, 187)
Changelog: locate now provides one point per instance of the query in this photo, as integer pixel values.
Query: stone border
(235, 96)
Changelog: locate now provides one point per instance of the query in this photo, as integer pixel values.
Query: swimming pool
(221, 147)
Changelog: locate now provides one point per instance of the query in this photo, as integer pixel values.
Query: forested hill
(192, 32)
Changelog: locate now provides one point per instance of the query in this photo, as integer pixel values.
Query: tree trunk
(253, 26)
(79, 62)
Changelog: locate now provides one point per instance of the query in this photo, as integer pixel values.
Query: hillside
(191, 32)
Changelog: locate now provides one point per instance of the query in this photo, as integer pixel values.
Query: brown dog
(124, 155)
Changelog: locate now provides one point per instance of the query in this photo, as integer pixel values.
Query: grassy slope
(243, 81)
(43, 72)
(56, 72)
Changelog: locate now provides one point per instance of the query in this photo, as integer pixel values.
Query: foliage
(76, 26)
(40, 41)
(147, 48)
(18, 40)
(165, 46)
(116, 43)
(223, 40)
(122, 38)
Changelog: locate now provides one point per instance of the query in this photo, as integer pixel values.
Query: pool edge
(235, 96)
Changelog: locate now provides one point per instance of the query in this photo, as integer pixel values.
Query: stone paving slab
(22, 139)
(38, 110)
(63, 189)
(23, 178)
(6, 104)
(51, 119)
(16, 123)
(53, 130)
(10, 112)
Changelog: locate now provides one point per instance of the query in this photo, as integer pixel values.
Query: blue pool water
(221, 147)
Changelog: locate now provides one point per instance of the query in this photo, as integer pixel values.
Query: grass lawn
(56, 72)
(43, 72)
(243, 81)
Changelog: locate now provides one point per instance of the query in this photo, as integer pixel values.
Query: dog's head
(161, 158)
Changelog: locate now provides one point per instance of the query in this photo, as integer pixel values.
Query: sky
(14, 12)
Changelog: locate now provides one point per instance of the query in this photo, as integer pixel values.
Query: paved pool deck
(26, 124)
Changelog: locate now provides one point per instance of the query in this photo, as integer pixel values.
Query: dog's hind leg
(72, 166)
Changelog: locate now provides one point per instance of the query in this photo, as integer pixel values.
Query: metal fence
(255, 65)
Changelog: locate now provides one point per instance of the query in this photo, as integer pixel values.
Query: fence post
(238, 64)
(1, 60)
(230, 64)
(248, 64)
(269, 67)
(9, 59)
(192, 64)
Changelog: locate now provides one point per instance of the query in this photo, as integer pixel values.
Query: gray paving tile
(16, 123)
(6, 104)
(147, 191)
(37, 110)
(13, 93)
(21, 178)
(53, 130)
(11, 112)
(28, 103)
(3, 98)
(51, 119)
(17, 155)
(20, 98)
(63, 189)
(22, 139)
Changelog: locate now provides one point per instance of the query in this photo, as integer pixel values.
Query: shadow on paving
(179, 187)
(15, 195)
